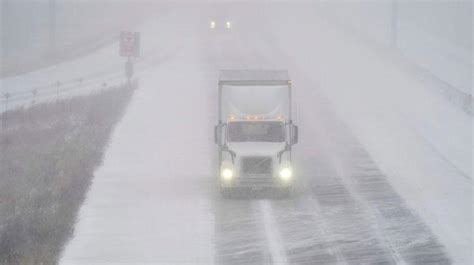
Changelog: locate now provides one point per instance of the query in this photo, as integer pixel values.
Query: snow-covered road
(154, 200)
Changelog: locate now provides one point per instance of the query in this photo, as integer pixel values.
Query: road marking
(272, 235)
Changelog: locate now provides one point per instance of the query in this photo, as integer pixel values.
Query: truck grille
(258, 165)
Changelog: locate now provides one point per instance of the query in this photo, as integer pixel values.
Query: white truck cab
(255, 132)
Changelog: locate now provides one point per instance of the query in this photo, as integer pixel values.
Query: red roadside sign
(129, 44)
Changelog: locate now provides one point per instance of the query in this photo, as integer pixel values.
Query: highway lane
(148, 205)
(347, 212)
(150, 201)
(326, 228)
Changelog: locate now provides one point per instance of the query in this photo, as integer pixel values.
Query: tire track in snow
(272, 235)
(305, 233)
(238, 236)
(399, 229)
(409, 238)
(349, 225)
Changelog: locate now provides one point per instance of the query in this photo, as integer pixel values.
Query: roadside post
(3, 142)
(129, 70)
(5, 114)
(58, 85)
(129, 47)
(34, 92)
(3, 136)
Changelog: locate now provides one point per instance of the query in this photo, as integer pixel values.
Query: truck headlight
(227, 173)
(286, 173)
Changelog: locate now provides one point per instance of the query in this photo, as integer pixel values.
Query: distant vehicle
(255, 132)
(218, 25)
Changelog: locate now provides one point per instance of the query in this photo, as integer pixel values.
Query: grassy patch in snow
(48, 156)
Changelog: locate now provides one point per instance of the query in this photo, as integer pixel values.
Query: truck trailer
(255, 131)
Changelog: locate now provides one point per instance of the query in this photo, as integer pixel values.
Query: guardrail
(57, 90)
(52, 93)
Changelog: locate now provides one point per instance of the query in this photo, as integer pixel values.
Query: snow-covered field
(385, 160)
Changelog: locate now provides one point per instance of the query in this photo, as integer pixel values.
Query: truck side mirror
(293, 134)
(218, 134)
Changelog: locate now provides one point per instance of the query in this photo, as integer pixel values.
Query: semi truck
(255, 131)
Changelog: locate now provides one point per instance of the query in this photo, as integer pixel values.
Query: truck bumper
(256, 183)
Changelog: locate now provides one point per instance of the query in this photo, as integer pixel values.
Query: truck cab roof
(254, 77)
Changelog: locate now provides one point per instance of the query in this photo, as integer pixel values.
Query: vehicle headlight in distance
(227, 173)
(212, 24)
(286, 173)
(227, 24)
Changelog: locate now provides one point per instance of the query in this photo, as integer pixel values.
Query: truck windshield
(255, 131)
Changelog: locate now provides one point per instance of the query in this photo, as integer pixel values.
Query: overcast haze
(340, 132)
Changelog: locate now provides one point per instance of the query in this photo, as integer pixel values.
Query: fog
(119, 155)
